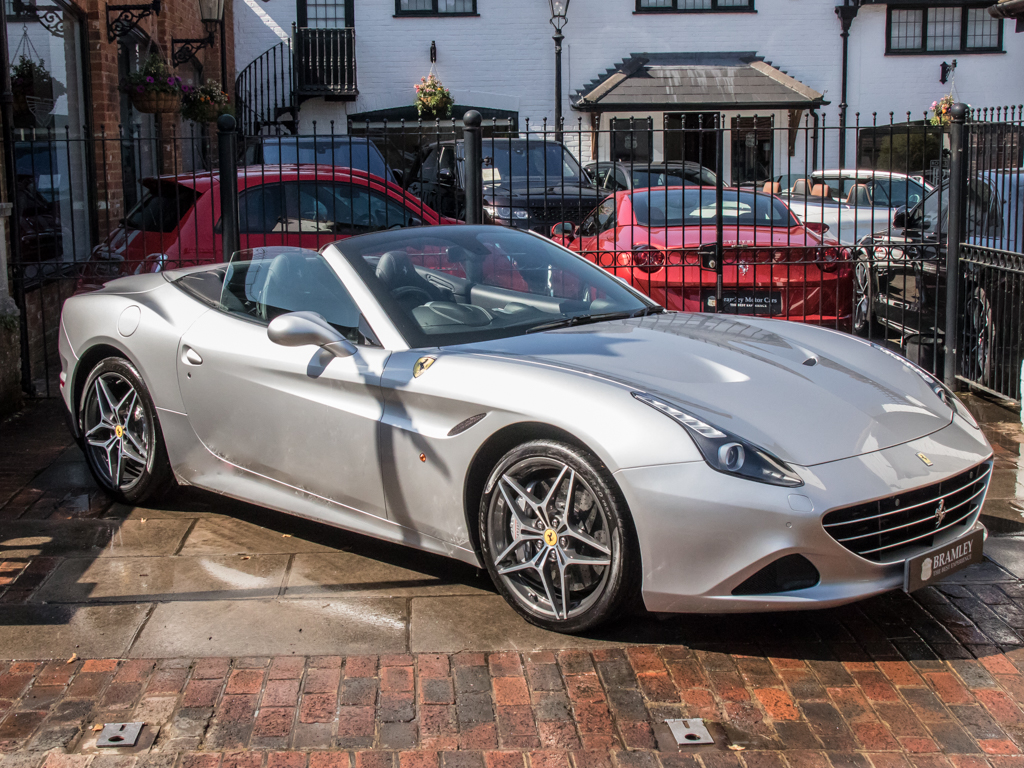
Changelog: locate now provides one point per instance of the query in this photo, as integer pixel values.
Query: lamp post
(211, 12)
(559, 9)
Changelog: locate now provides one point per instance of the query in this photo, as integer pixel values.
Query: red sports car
(178, 221)
(772, 264)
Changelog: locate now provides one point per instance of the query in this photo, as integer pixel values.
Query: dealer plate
(934, 566)
(744, 302)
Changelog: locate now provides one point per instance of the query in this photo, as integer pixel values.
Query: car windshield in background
(696, 207)
(342, 152)
(670, 178)
(455, 285)
(544, 161)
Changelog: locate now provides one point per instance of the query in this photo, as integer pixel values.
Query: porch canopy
(675, 82)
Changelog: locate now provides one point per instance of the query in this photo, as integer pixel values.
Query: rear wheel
(556, 537)
(121, 435)
(863, 296)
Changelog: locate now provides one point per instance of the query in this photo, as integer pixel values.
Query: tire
(121, 435)
(979, 338)
(530, 562)
(864, 323)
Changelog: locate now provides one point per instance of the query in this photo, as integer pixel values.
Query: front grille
(556, 211)
(885, 530)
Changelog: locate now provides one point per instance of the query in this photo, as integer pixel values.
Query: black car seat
(398, 274)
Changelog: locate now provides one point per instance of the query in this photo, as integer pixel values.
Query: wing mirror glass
(564, 229)
(299, 329)
(446, 177)
(816, 226)
(899, 218)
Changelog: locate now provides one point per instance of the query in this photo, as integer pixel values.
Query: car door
(293, 415)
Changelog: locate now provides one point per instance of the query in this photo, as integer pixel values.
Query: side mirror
(816, 226)
(299, 329)
(899, 218)
(446, 177)
(564, 229)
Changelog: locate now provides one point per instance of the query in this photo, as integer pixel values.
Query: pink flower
(140, 89)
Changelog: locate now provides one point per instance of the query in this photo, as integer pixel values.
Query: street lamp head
(211, 11)
(559, 11)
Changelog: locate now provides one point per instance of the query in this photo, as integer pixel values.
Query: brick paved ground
(933, 680)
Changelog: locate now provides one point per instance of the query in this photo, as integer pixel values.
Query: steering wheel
(407, 291)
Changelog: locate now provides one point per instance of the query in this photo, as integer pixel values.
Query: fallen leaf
(286, 535)
(245, 557)
(736, 748)
(144, 519)
(74, 656)
(97, 727)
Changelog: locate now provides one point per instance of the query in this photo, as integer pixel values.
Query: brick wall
(178, 19)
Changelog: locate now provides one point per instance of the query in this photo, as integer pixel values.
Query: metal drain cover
(119, 734)
(688, 732)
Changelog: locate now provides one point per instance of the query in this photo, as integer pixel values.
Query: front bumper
(703, 533)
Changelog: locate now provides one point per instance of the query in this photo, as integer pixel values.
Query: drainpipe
(846, 12)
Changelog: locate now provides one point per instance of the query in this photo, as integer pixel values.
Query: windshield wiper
(570, 322)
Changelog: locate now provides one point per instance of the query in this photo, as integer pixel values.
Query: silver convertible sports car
(485, 394)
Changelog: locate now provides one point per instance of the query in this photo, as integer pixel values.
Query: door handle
(191, 357)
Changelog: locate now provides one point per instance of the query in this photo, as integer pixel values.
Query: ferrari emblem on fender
(925, 459)
(940, 512)
(421, 366)
(550, 537)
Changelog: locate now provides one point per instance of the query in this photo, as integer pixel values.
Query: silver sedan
(484, 394)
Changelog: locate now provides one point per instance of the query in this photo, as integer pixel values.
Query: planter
(206, 114)
(156, 102)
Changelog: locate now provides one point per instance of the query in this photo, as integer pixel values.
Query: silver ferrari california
(485, 394)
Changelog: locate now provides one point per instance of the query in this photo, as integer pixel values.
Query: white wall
(505, 55)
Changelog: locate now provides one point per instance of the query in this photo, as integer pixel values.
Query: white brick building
(497, 55)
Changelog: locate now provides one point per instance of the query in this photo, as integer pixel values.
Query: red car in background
(178, 221)
(772, 265)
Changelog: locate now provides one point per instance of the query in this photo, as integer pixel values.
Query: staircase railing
(265, 91)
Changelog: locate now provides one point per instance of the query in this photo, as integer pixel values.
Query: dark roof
(667, 81)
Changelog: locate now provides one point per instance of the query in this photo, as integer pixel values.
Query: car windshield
(694, 207)
(543, 161)
(461, 284)
(340, 151)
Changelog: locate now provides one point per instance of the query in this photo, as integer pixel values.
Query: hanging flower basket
(433, 100)
(153, 89)
(152, 102)
(205, 103)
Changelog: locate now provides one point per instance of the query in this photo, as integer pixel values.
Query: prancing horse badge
(421, 365)
(921, 456)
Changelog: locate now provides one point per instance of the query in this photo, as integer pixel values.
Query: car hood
(753, 378)
(536, 192)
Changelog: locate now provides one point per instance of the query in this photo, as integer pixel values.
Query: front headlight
(505, 213)
(724, 452)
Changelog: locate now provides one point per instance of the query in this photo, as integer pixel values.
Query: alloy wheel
(117, 430)
(979, 338)
(551, 538)
(861, 295)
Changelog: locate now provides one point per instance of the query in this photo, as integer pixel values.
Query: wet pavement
(247, 638)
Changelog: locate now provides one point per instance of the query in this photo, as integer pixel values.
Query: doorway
(691, 137)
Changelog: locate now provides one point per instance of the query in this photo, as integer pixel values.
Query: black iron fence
(748, 215)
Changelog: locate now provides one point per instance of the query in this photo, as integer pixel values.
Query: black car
(528, 183)
(900, 277)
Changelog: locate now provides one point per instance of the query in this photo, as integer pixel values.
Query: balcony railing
(325, 62)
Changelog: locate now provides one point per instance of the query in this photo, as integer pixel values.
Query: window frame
(434, 12)
(750, 8)
(923, 49)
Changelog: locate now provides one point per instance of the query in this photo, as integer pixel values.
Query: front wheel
(121, 436)
(979, 339)
(556, 537)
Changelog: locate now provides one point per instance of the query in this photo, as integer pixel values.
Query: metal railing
(693, 216)
(264, 93)
(325, 62)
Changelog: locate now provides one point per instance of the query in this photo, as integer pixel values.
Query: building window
(435, 7)
(324, 14)
(943, 29)
(684, 6)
